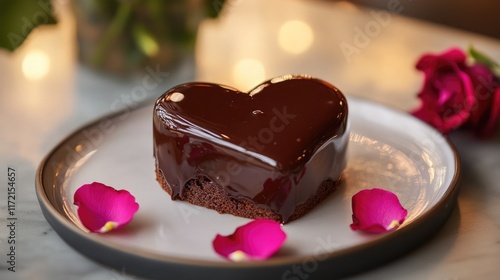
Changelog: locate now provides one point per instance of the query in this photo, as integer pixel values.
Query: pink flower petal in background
(257, 240)
(102, 208)
(376, 211)
(447, 94)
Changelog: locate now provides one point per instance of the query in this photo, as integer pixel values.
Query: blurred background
(480, 16)
(123, 35)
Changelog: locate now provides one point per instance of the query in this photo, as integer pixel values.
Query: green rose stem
(114, 31)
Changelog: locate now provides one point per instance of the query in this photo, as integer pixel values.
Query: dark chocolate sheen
(274, 145)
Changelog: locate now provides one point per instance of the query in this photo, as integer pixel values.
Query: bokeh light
(35, 65)
(295, 36)
(248, 73)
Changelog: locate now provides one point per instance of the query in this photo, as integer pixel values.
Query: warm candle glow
(295, 36)
(36, 65)
(248, 73)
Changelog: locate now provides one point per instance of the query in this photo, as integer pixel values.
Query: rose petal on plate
(102, 208)
(256, 240)
(376, 211)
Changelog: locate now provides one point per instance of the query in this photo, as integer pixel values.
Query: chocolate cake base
(203, 192)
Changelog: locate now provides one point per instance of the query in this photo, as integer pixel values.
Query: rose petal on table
(256, 240)
(102, 208)
(376, 211)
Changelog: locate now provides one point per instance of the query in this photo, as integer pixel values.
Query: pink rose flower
(455, 94)
(485, 116)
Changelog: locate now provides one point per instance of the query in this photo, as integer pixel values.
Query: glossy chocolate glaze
(273, 145)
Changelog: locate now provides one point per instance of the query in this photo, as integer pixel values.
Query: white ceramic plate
(388, 149)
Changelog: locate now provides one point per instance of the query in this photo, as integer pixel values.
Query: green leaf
(18, 18)
(214, 7)
(480, 57)
(145, 40)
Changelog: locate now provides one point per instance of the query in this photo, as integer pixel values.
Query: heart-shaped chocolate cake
(274, 152)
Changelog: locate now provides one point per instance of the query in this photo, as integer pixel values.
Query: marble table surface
(46, 94)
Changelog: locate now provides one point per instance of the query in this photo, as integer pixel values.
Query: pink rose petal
(376, 211)
(102, 208)
(257, 240)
